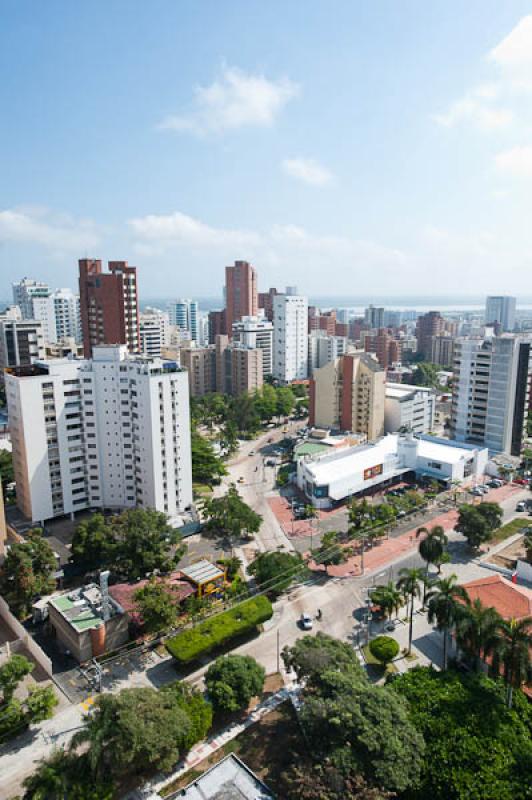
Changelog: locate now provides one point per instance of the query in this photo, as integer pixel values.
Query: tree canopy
(207, 467)
(274, 571)
(27, 572)
(157, 606)
(477, 523)
(232, 681)
(229, 516)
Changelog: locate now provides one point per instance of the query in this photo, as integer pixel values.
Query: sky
(345, 147)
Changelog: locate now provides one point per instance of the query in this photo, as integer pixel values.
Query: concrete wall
(22, 639)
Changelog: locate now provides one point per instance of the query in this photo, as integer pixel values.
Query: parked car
(251, 453)
(521, 481)
(476, 491)
(271, 462)
(521, 506)
(240, 480)
(483, 488)
(305, 621)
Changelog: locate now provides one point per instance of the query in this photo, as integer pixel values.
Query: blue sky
(349, 147)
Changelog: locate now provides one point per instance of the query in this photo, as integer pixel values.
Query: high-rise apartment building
(374, 316)
(241, 299)
(256, 332)
(154, 328)
(25, 291)
(290, 336)
(184, 313)
(265, 302)
(348, 393)
(428, 325)
(200, 364)
(491, 392)
(442, 350)
(67, 315)
(217, 325)
(21, 342)
(238, 367)
(384, 345)
(409, 408)
(323, 348)
(111, 432)
(501, 309)
(108, 305)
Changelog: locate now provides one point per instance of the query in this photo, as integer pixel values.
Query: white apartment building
(67, 315)
(21, 342)
(109, 432)
(501, 309)
(184, 314)
(409, 408)
(154, 328)
(491, 391)
(25, 291)
(323, 348)
(256, 333)
(290, 337)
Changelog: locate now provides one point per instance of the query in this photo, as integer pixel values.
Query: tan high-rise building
(442, 350)
(200, 363)
(241, 298)
(349, 393)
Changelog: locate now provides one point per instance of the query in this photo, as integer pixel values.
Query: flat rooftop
(403, 390)
(230, 779)
(83, 608)
(201, 572)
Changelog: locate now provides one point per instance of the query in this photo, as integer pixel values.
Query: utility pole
(278, 662)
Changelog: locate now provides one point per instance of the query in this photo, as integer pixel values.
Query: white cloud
(58, 233)
(181, 229)
(477, 107)
(235, 100)
(307, 170)
(516, 162)
(513, 55)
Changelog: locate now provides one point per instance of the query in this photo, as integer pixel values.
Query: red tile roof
(509, 599)
(123, 593)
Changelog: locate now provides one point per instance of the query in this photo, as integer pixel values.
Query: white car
(305, 621)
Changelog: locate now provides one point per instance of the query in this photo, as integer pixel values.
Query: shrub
(384, 649)
(195, 642)
(232, 681)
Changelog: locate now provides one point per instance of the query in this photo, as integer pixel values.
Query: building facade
(409, 408)
(184, 314)
(290, 337)
(21, 342)
(108, 305)
(374, 317)
(428, 325)
(501, 310)
(200, 364)
(154, 332)
(241, 297)
(112, 432)
(492, 391)
(25, 291)
(348, 394)
(442, 350)
(256, 332)
(323, 348)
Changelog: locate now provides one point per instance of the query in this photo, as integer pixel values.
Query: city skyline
(423, 167)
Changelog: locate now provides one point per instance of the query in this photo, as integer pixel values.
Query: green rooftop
(79, 613)
(310, 449)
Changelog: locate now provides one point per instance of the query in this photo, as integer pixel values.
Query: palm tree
(432, 546)
(389, 598)
(513, 653)
(409, 584)
(476, 630)
(444, 607)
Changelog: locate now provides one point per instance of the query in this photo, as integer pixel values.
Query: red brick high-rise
(266, 302)
(108, 305)
(241, 299)
(428, 325)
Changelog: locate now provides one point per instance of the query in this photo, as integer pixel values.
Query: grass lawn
(375, 668)
(510, 528)
(268, 748)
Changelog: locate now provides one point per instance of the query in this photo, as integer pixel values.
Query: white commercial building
(290, 337)
(257, 333)
(329, 479)
(323, 349)
(491, 391)
(110, 432)
(184, 314)
(409, 408)
(501, 309)
(154, 331)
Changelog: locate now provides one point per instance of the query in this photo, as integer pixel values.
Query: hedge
(195, 642)
(384, 649)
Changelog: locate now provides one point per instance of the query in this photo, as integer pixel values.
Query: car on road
(271, 462)
(305, 621)
(476, 491)
(484, 489)
(401, 513)
(521, 506)
(391, 625)
(269, 439)
(240, 480)
(251, 453)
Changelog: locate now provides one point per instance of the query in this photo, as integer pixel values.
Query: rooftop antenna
(104, 590)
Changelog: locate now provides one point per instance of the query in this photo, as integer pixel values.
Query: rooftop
(83, 608)
(230, 779)
(405, 390)
(124, 593)
(202, 571)
(494, 591)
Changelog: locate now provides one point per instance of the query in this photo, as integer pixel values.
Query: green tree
(426, 374)
(64, 775)
(476, 631)
(243, 413)
(207, 467)
(27, 572)
(157, 606)
(473, 525)
(92, 545)
(389, 598)
(7, 474)
(285, 401)
(310, 656)
(232, 681)
(11, 673)
(492, 513)
(231, 565)
(229, 516)
(136, 731)
(475, 748)
(432, 545)
(445, 601)
(276, 570)
(512, 652)
(266, 402)
(40, 703)
(330, 550)
(196, 707)
(384, 649)
(409, 583)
